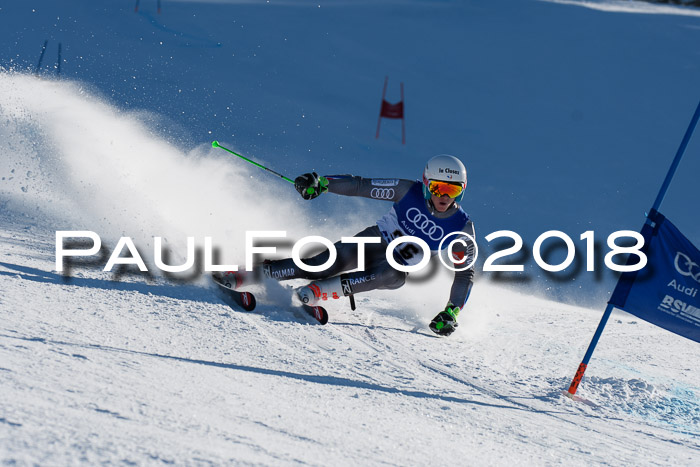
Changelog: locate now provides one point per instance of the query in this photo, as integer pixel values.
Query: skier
(428, 210)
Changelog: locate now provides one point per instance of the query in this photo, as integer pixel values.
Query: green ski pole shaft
(216, 144)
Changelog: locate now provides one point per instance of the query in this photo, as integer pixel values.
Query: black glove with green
(445, 322)
(310, 185)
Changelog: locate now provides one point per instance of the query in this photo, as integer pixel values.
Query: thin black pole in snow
(58, 65)
(41, 57)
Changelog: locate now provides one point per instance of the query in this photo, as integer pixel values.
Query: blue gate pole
(677, 159)
(657, 203)
(589, 353)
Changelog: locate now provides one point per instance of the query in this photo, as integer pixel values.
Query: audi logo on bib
(425, 225)
(686, 267)
(382, 193)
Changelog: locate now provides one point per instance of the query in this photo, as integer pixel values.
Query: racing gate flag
(668, 297)
(665, 291)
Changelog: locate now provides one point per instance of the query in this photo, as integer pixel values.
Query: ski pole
(215, 144)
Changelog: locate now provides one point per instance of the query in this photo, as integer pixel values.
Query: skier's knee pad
(393, 279)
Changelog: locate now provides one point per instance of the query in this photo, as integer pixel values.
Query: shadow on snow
(179, 292)
(309, 378)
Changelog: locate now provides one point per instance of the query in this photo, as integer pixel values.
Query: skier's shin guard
(328, 289)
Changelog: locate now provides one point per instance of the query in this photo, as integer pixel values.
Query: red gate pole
(379, 122)
(403, 118)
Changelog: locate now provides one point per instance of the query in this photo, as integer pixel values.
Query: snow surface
(627, 6)
(566, 117)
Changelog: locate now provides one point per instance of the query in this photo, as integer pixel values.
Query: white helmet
(445, 168)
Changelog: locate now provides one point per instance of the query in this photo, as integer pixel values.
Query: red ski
(318, 312)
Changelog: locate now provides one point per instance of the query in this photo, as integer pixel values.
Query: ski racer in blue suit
(428, 210)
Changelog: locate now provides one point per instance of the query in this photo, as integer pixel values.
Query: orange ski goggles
(450, 189)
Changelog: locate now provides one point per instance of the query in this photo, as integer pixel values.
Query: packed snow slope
(566, 117)
(95, 370)
(566, 114)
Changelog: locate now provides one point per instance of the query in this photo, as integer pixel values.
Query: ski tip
(320, 314)
(215, 144)
(324, 318)
(317, 312)
(248, 301)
